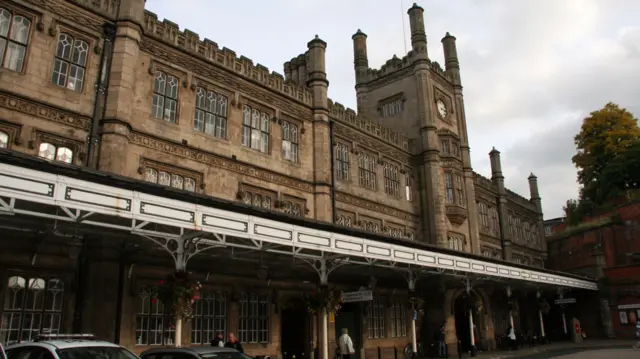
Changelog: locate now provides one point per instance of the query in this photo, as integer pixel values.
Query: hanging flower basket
(417, 304)
(178, 293)
(544, 306)
(325, 298)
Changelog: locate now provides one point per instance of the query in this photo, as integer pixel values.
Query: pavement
(589, 349)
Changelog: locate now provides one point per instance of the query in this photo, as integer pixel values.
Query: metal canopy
(185, 229)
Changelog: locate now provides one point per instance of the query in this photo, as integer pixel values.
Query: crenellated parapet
(169, 32)
(396, 64)
(482, 181)
(520, 200)
(346, 115)
(108, 8)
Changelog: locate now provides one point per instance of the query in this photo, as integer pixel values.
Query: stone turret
(318, 84)
(451, 64)
(534, 194)
(418, 33)
(360, 59)
(287, 71)
(498, 179)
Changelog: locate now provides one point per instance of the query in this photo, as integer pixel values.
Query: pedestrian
(345, 344)
(234, 343)
(637, 345)
(218, 341)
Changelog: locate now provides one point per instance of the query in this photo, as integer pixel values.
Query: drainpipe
(333, 172)
(93, 152)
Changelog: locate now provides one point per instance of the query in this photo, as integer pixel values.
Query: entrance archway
(466, 305)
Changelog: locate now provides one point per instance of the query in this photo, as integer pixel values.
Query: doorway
(294, 332)
(349, 317)
(463, 330)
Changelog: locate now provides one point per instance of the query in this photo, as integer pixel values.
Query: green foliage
(608, 148)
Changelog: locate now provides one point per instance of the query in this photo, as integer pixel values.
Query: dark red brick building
(607, 247)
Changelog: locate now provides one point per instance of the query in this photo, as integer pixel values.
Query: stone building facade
(108, 86)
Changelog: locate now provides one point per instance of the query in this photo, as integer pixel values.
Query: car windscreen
(95, 353)
(224, 355)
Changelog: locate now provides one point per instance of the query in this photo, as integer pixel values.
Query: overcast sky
(531, 69)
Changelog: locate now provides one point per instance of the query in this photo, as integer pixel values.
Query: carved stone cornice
(211, 159)
(375, 207)
(456, 214)
(44, 111)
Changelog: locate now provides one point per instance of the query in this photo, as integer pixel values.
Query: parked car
(206, 352)
(67, 346)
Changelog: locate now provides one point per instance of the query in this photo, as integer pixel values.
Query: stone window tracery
(518, 226)
(459, 186)
(391, 179)
(165, 177)
(152, 325)
(255, 129)
(257, 197)
(32, 305)
(210, 316)
(52, 152)
(445, 146)
(448, 185)
(345, 219)
(14, 39)
(293, 206)
(456, 242)
(395, 231)
(290, 142)
(392, 108)
(526, 231)
(70, 62)
(342, 161)
(495, 222)
(370, 224)
(367, 170)
(165, 97)
(211, 113)
(483, 214)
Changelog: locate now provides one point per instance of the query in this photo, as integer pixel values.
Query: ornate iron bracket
(326, 266)
(183, 247)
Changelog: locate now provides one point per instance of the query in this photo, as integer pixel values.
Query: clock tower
(416, 97)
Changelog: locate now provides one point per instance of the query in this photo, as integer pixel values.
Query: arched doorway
(467, 305)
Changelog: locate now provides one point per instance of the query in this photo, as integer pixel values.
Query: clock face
(442, 108)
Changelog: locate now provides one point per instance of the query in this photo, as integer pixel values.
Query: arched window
(211, 113)
(4, 139)
(165, 97)
(54, 153)
(14, 39)
(255, 129)
(70, 62)
(32, 305)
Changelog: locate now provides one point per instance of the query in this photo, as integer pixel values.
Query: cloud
(531, 69)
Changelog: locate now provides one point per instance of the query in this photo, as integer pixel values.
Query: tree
(607, 144)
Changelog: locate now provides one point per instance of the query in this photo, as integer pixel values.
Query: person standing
(345, 344)
(637, 345)
(234, 343)
(218, 341)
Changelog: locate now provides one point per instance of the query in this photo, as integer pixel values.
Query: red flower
(313, 293)
(153, 300)
(195, 297)
(161, 282)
